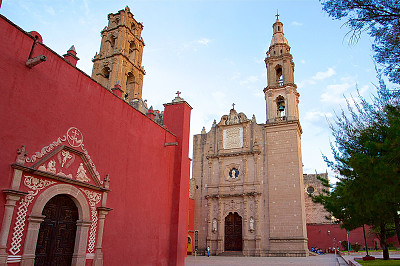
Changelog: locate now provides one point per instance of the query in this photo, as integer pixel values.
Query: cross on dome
(277, 15)
(178, 93)
(233, 106)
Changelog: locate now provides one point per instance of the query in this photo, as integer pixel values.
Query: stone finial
(70, 56)
(107, 181)
(21, 155)
(214, 123)
(253, 119)
(178, 98)
(203, 131)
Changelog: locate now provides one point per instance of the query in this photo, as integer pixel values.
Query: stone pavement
(322, 260)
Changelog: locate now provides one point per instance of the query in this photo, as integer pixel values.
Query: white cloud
(334, 93)
(316, 115)
(317, 77)
(203, 41)
(323, 75)
(196, 44)
(50, 10)
(296, 23)
(250, 79)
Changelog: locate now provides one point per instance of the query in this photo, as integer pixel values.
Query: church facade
(248, 177)
(81, 157)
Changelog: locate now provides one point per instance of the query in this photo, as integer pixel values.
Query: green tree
(366, 155)
(381, 20)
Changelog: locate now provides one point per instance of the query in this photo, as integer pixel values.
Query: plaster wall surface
(149, 180)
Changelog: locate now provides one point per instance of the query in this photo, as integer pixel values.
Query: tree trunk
(397, 225)
(384, 245)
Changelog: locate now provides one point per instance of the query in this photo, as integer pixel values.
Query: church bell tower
(120, 58)
(281, 93)
(287, 223)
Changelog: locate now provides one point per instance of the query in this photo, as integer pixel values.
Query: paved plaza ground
(323, 260)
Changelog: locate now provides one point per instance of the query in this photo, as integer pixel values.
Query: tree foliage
(381, 19)
(367, 156)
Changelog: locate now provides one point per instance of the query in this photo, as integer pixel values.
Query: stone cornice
(218, 155)
(249, 194)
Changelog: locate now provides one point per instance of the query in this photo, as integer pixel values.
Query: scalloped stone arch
(36, 217)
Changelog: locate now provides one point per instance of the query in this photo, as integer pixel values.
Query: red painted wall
(149, 181)
(326, 236)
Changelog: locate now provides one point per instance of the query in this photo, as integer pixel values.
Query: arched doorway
(233, 232)
(56, 239)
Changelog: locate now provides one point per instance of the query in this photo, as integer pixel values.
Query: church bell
(281, 108)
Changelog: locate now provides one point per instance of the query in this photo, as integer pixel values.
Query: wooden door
(233, 232)
(56, 239)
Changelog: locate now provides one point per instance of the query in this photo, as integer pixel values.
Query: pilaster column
(12, 196)
(220, 228)
(28, 257)
(246, 250)
(98, 254)
(209, 222)
(258, 226)
(210, 172)
(246, 177)
(82, 230)
(221, 171)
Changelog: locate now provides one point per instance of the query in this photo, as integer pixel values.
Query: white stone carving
(214, 225)
(51, 167)
(94, 198)
(81, 174)
(233, 138)
(251, 224)
(75, 139)
(66, 155)
(35, 184)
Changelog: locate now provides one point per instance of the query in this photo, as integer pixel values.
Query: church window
(279, 28)
(310, 190)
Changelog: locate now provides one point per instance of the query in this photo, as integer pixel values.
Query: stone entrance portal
(233, 232)
(56, 239)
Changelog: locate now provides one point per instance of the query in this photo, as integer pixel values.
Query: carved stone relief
(233, 138)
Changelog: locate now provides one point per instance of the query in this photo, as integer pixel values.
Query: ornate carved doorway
(56, 239)
(233, 232)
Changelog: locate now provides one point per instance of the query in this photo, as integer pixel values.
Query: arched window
(132, 51)
(130, 86)
(279, 76)
(280, 107)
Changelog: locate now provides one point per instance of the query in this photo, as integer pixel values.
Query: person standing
(208, 251)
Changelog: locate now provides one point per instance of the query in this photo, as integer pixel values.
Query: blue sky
(213, 52)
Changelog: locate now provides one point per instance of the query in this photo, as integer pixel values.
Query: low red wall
(327, 236)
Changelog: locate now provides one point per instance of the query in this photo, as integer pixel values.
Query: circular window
(233, 173)
(310, 190)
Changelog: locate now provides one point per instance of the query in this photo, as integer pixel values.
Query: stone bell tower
(287, 220)
(120, 58)
(281, 93)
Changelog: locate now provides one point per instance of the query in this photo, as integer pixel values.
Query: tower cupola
(281, 92)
